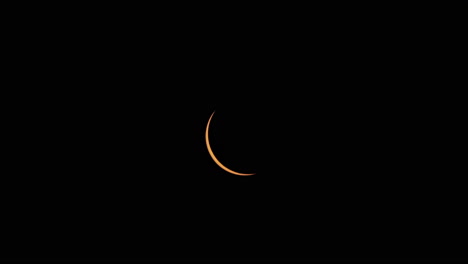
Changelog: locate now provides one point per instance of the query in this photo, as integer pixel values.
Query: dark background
(107, 117)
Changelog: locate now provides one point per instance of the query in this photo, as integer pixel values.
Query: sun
(214, 157)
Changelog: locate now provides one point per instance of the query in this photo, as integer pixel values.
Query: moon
(214, 157)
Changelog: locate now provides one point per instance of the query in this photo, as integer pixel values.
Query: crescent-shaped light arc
(214, 157)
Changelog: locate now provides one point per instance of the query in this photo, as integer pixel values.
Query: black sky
(110, 157)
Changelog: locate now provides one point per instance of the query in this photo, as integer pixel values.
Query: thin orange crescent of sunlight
(214, 157)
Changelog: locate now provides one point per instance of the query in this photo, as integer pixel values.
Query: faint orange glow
(214, 157)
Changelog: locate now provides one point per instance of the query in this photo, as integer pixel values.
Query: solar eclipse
(214, 157)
